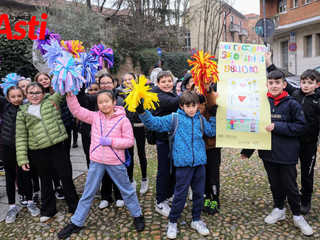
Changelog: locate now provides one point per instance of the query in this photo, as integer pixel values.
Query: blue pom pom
(11, 79)
(89, 67)
(53, 51)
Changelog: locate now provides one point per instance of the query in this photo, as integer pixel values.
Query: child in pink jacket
(111, 134)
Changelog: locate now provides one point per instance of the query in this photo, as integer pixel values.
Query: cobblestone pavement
(245, 201)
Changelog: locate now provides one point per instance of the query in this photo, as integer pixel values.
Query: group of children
(185, 141)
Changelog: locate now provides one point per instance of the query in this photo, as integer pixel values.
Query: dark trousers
(307, 156)
(106, 189)
(212, 186)
(86, 141)
(47, 161)
(185, 177)
(165, 180)
(12, 170)
(283, 182)
(139, 134)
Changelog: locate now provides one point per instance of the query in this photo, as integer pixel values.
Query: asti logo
(4, 20)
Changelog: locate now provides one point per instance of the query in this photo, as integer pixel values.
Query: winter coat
(188, 148)
(289, 125)
(121, 134)
(168, 103)
(8, 129)
(38, 133)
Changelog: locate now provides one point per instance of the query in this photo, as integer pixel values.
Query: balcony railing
(243, 32)
(234, 28)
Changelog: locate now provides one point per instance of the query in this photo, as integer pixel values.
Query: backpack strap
(174, 125)
(54, 104)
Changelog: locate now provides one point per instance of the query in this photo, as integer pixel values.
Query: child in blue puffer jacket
(189, 156)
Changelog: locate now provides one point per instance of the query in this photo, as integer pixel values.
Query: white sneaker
(44, 218)
(301, 223)
(120, 203)
(163, 208)
(275, 216)
(103, 204)
(172, 230)
(144, 186)
(33, 209)
(200, 227)
(12, 214)
(190, 193)
(134, 185)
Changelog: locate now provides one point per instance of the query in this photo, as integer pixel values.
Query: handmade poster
(244, 110)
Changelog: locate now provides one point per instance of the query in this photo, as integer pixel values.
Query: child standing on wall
(189, 156)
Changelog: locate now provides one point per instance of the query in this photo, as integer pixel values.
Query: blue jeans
(118, 174)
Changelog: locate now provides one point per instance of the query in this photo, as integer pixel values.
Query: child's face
(127, 80)
(308, 85)
(189, 84)
(35, 95)
(23, 84)
(276, 86)
(93, 89)
(106, 83)
(105, 104)
(166, 84)
(15, 96)
(44, 81)
(190, 109)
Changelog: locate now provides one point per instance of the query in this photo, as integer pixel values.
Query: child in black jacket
(288, 124)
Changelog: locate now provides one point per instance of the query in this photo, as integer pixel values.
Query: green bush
(15, 54)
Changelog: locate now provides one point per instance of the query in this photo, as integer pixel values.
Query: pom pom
(49, 36)
(89, 67)
(138, 91)
(74, 47)
(54, 51)
(11, 79)
(102, 53)
(204, 68)
(66, 76)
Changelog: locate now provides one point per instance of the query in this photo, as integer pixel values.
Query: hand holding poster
(244, 109)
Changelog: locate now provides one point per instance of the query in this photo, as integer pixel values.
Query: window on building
(284, 55)
(240, 24)
(231, 19)
(232, 37)
(318, 44)
(307, 1)
(295, 3)
(308, 46)
(282, 6)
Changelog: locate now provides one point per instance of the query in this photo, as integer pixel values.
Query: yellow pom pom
(140, 90)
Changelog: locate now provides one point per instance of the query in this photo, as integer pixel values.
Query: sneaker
(35, 197)
(134, 184)
(144, 186)
(163, 208)
(172, 230)
(275, 216)
(120, 203)
(190, 194)
(200, 227)
(44, 218)
(214, 208)
(2, 173)
(12, 214)
(33, 209)
(23, 201)
(103, 204)
(305, 208)
(206, 205)
(75, 145)
(59, 193)
(68, 230)
(301, 223)
(139, 223)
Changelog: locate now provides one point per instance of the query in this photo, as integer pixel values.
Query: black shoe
(214, 207)
(68, 230)
(59, 193)
(23, 201)
(75, 145)
(139, 223)
(35, 197)
(305, 208)
(206, 205)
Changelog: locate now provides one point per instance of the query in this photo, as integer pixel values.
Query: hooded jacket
(121, 135)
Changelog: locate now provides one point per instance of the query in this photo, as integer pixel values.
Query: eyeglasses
(93, 89)
(106, 83)
(32, 94)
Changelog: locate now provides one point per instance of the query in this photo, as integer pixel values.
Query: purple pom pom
(102, 53)
(49, 35)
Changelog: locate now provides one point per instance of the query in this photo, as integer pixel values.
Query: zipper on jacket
(192, 142)
(44, 126)
(302, 102)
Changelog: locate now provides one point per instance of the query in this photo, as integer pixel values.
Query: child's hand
(243, 156)
(140, 108)
(68, 93)
(270, 127)
(25, 167)
(105, 141)
(207, 86)
(268, 58)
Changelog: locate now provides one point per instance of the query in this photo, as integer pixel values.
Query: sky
(247, 6)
